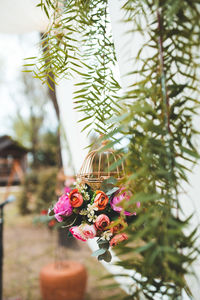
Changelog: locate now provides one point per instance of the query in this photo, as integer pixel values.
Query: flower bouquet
(95, 214)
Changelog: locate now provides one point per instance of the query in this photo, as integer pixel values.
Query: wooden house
(13, 161)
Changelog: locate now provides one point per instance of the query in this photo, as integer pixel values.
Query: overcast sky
(13, 49)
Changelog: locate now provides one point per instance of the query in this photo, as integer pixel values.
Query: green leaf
(99, 252)
(103, 244)
(107, 257)
(190, 152)
(112, 191)
(145, 247)
(108, 184)
(110, 180)
(46, 11)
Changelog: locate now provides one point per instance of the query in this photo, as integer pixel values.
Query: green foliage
(79, 43)
(30, 129)
(156, 116)
(103, 253)
(27, 127)
(58, 51)
(46, 190)
(28, 189)
(97, 90)
(47, 153)
(159, 124)
(38, 190)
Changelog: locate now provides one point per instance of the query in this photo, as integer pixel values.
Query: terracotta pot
(63, 281)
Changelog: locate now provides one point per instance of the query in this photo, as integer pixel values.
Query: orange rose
(75, 198)
(117, 226)
(118, 239)
(101, 200)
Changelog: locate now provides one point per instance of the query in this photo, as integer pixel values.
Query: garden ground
(28, 247)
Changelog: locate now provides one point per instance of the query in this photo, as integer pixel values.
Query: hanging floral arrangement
(99, 206)
(96, 214)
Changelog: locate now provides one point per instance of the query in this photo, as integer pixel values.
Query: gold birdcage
(98, 166)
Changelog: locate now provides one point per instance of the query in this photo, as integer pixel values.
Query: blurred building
(13, 161)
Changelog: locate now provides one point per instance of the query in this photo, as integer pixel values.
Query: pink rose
(77, 232)
(118, 239)
(62, 208)
(119, 197)
(67, 190)
(89, 231)
(102, 222)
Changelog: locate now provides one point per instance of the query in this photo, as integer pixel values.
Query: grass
(27, 248)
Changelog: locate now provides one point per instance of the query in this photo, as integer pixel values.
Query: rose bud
(75, 198)
(89, 231)
(118, 239)
(102, 222)
(101, 200)
(62, 208)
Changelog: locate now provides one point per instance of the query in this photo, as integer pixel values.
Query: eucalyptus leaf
(112, 191)
(107, 257)
(99, 252)
(108, 184)
(103, 244)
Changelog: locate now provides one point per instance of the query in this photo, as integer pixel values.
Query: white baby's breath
(92, 218)
(86, 196)
(82, 189)
(91, 208)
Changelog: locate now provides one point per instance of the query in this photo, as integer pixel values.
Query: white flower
(92, 218)
(106, 235)
(91, 208)
(80, 186)
(86, 196)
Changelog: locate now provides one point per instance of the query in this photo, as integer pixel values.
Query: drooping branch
(53, 97)
(162, 70)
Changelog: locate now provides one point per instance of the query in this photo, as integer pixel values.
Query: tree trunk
(52, 94)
